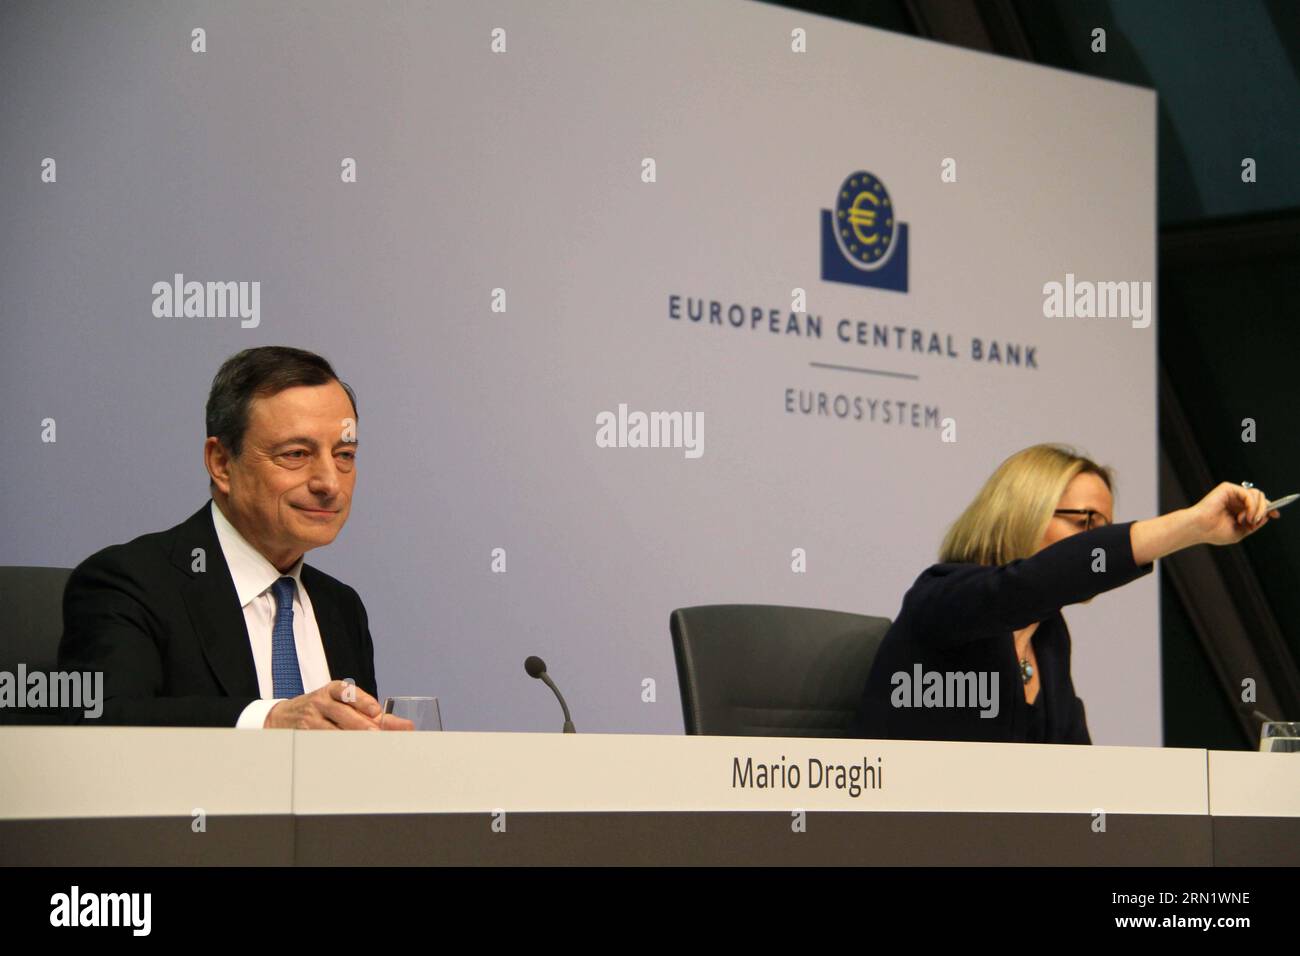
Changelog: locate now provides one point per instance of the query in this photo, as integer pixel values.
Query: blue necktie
(286, 679)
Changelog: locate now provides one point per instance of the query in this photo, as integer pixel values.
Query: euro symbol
(860, 218)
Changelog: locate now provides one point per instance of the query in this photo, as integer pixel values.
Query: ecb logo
(863, 243)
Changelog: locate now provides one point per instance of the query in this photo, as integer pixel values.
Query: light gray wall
(522, 171)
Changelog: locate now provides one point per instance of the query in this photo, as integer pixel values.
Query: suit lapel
(334, 635)
(213, 606)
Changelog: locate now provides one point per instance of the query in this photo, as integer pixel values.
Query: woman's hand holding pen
(1228, 514)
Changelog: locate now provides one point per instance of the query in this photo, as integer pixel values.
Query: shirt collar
(249, 569)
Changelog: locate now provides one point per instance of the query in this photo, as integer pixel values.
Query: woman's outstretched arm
(955, 603)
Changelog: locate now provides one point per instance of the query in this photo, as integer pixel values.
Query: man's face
(290, 489)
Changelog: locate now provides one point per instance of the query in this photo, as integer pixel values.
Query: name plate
(483, 772)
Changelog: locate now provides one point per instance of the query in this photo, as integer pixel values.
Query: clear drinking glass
(421, 711)
(1280, 737)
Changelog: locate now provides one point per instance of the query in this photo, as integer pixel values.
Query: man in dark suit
(217, 621)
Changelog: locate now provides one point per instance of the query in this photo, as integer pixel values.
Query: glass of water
(1280, 737)
(421, 711)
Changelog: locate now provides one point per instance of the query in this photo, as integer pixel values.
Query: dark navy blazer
(960, 618)
(171, 641)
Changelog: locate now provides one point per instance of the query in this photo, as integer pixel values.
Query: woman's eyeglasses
(1090, 519)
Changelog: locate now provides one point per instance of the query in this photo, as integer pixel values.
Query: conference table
(79, 796)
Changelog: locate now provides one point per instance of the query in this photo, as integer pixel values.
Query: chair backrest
(31, 624)
(31, 616)
(755, 670)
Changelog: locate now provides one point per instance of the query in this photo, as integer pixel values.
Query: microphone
(536, 667)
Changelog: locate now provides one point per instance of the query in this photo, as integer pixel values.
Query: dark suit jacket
(960, 617)
(172, 642)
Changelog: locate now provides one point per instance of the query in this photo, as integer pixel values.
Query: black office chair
(31, 624)
(754, 670)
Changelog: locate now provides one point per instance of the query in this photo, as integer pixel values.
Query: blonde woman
(979, 649)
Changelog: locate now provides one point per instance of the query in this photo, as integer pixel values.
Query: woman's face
(1086, 490)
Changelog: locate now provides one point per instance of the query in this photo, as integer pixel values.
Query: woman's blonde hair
(1008, 517)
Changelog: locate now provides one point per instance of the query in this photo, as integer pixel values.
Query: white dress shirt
(254, 576)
